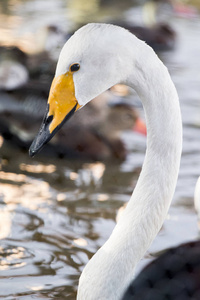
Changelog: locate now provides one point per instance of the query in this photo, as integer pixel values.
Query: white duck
(95, 58)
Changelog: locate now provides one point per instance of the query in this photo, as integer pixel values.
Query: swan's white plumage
(109, 55)
(100, 55)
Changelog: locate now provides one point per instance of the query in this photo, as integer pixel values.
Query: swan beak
(61, 106)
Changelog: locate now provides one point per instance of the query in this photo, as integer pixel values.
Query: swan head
(94, 59)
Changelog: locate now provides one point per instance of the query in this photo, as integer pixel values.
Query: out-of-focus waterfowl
(96, 136)
(13, 69)
(172, 276)
(161, 36)
(101, 140)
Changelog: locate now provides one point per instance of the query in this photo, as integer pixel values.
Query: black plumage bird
(175, 275)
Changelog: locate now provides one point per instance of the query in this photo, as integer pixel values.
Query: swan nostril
(48, 120)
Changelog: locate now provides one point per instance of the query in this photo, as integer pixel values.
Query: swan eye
(74, 67)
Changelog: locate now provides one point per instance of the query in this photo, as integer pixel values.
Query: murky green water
(56, 213)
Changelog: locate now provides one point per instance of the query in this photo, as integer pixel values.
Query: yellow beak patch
(61, 99)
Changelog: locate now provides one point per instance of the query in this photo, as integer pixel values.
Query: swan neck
(111, 268)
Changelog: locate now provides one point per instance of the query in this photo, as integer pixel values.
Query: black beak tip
(34, 148)
(44, 135)
(40, 140)
(32, 152)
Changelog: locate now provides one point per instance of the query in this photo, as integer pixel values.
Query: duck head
(91, 62)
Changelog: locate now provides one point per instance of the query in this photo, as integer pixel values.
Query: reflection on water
(23, 23)
(54, 214)
(52, 219)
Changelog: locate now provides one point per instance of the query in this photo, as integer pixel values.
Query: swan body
(95, 58)
(174, 275)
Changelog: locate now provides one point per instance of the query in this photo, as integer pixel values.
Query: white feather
(109, 55)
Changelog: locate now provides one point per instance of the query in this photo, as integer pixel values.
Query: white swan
(95, 58)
